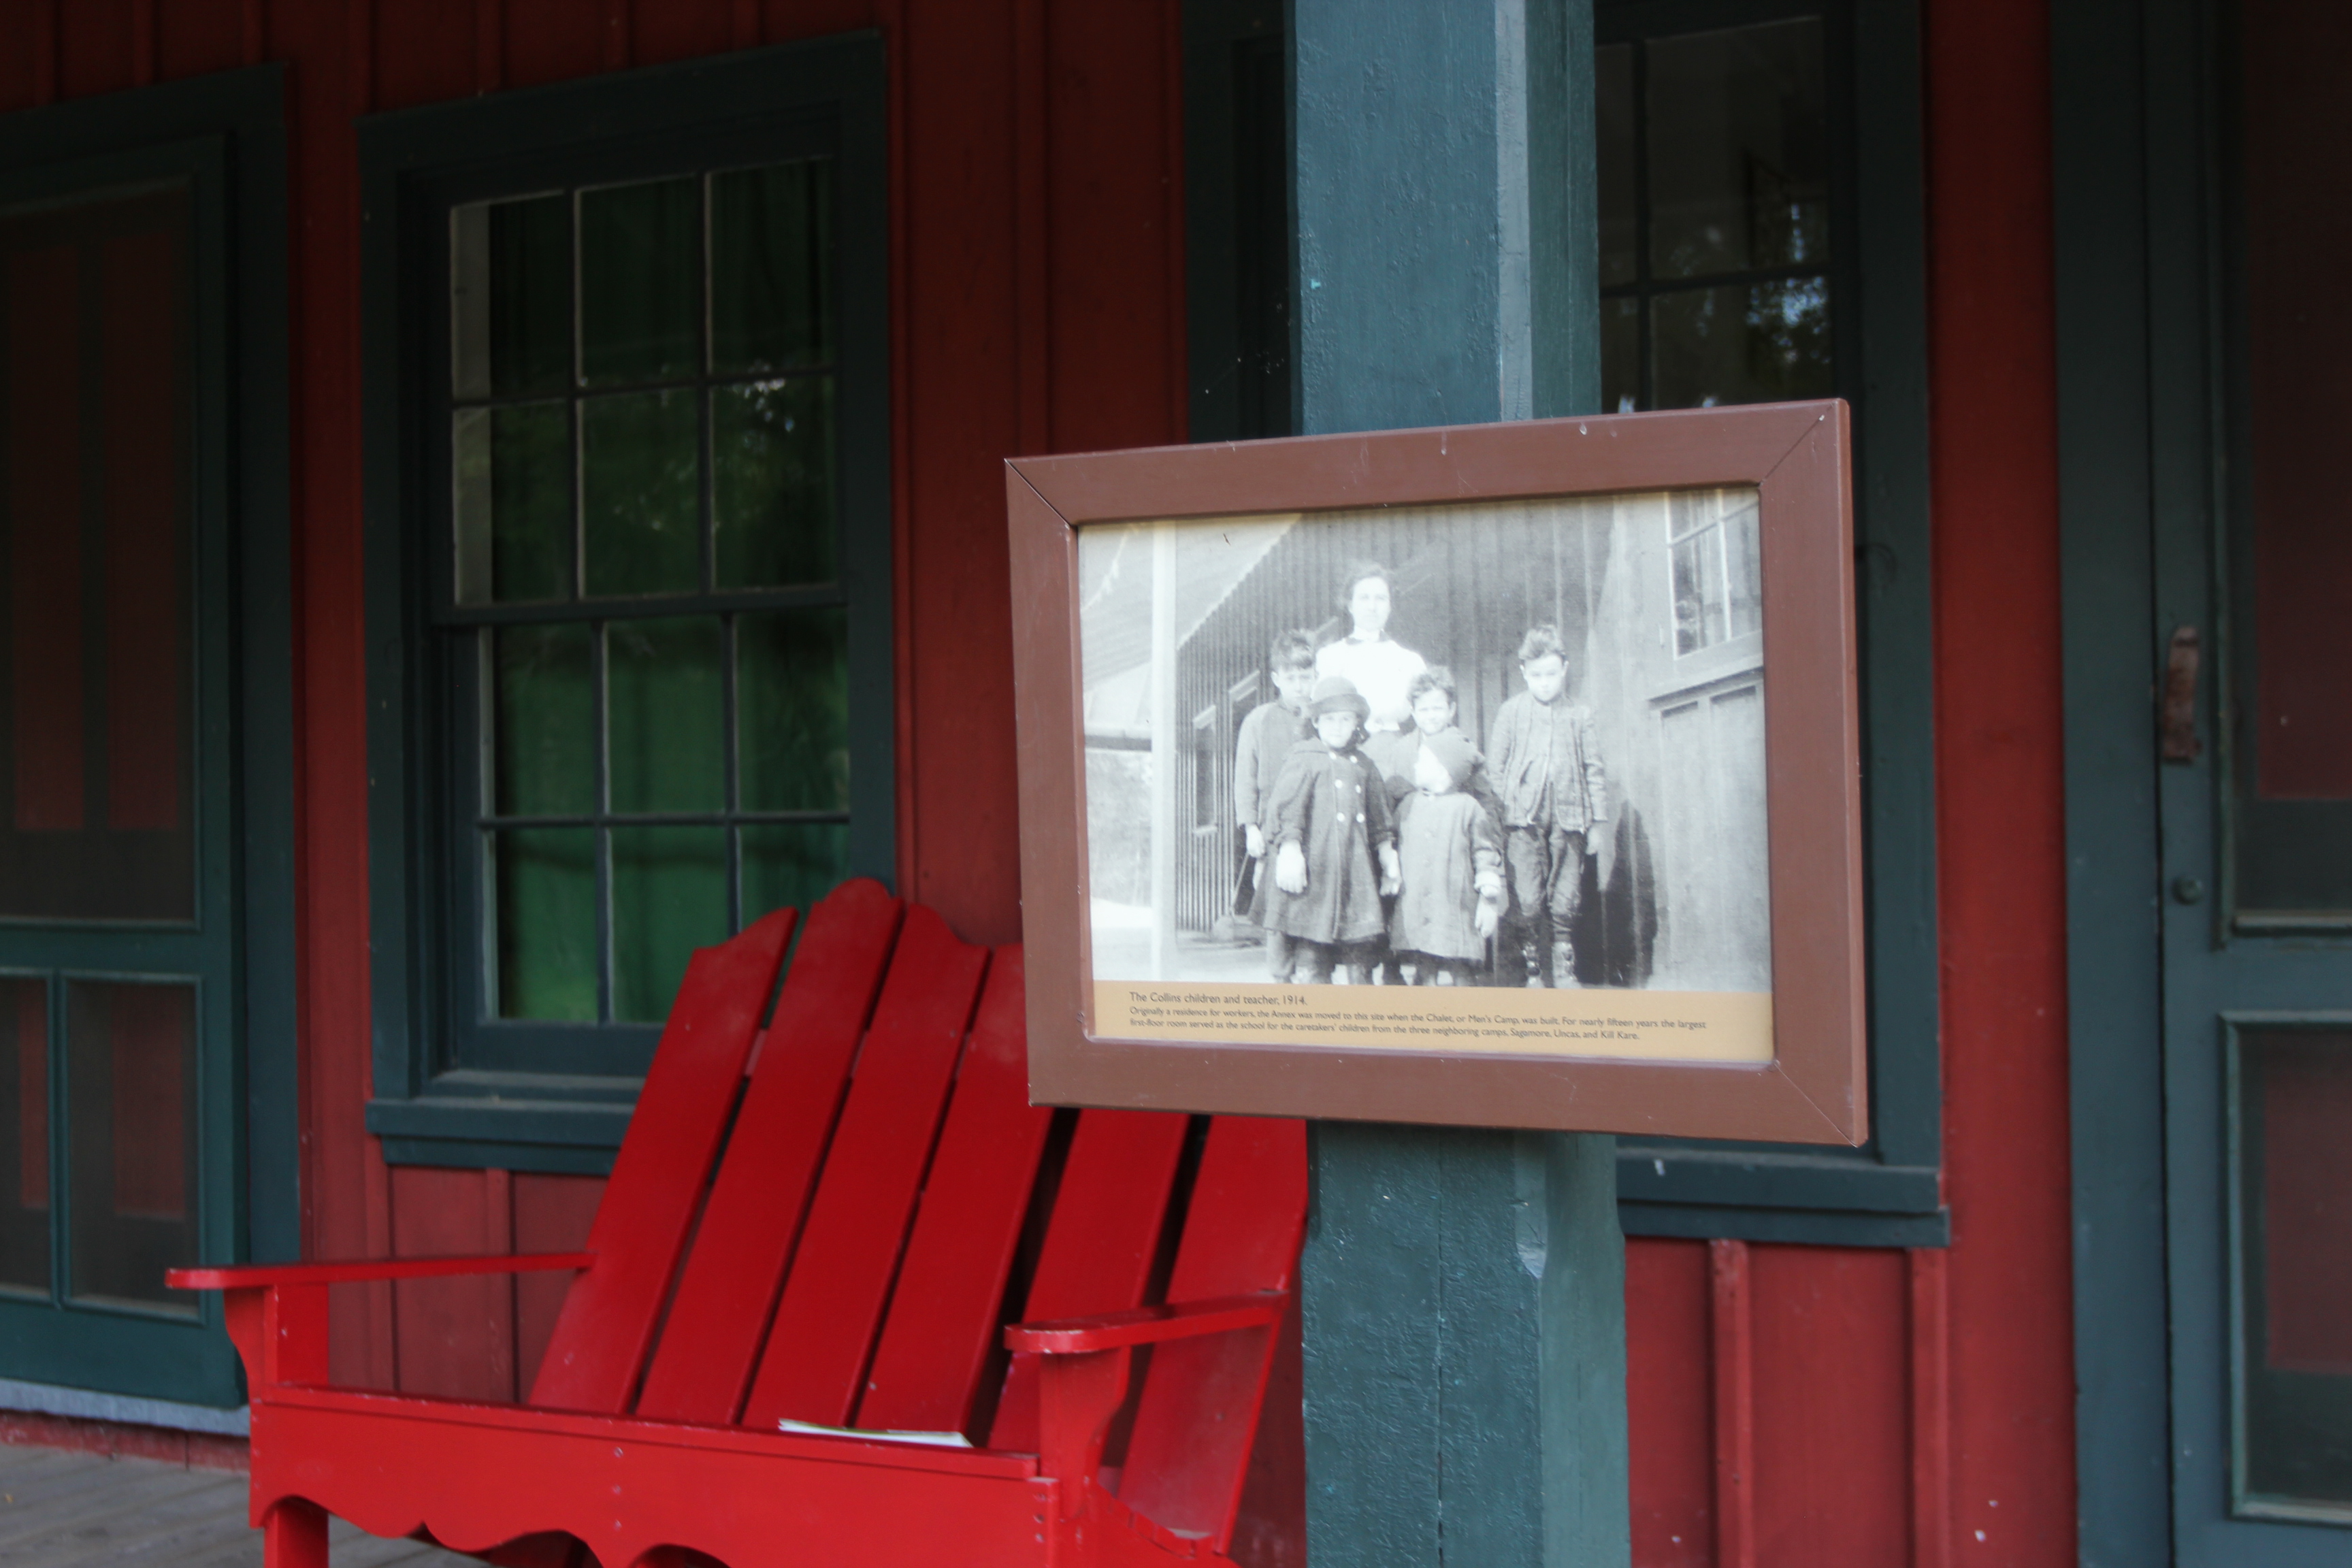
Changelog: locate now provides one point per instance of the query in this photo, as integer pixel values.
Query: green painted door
(2254, 599)
(120, 1011)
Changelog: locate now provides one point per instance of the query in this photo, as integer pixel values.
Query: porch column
(1463, 1289)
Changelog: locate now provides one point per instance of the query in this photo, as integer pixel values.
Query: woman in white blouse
(1381, 667)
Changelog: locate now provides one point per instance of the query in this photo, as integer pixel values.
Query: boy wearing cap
(1547, 768)
(1451, 858)
(1334, 843)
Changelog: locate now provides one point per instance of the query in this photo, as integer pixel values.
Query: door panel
(118, 930)
(2257, 836)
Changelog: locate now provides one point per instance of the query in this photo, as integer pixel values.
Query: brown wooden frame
(1799, 458)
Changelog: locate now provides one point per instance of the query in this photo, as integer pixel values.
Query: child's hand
(1391, 874)
(1489, 918)
(1290, 870)
(1256, 841)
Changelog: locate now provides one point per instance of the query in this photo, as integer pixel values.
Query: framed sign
(1500, 775)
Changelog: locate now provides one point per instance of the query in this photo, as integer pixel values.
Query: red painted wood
(96, 53)
(195, 37)
(294, 1535)
(680, 30)
(552, 40)
(421, 53)
(454, 1334)
(1190, 1443)
(1669, 1398)
(727, 1289)
(832, 1306)
(1833, 1423)
(600, 1344)
(1270, 1526)
(2000, 877)
(1735, 1405)
(245, 1277)
(1149, 1325)
(1099, 1250)
(949, 1297)
(551, 1214)
(1931, 1411)
(45, 538)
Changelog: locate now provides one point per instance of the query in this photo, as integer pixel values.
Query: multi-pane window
(1716, 217)
(644, 600)
(1718, 569)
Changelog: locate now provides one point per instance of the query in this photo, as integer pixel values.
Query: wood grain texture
(601, 1339)
(718, 1319)
(823, 1334)
(949, 1300)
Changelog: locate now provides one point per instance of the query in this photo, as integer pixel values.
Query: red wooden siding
(1790, 1406)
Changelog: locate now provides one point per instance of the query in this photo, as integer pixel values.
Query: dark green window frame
(1241, 281)
(454, 1085)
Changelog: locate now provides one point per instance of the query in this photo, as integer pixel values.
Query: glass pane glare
(1613, 69)
(1621, 356)
(772, 482)
(640, 478)
(666, 743)
(543, 721)
(24, 1134)
(1764, 343)
(542, 920)
(1744, 570)
(640, 282)
(772, 267)
(2295, 1265)
(792, 865)
(1738, 163)
(670, 896)
(792, 695)
(512, 470)
(511, 297)
(131, 1111)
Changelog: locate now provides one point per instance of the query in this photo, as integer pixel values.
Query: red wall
(1790, 1406)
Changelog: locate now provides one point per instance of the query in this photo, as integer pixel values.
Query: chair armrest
(1148, 1325)
(247, 1276)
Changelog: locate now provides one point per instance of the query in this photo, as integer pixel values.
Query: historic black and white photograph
(1517, 744)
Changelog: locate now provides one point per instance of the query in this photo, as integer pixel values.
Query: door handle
(2179, 728)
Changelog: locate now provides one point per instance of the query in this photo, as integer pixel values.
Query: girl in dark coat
(1334, 842)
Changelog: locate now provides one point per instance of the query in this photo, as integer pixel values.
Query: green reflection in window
(543, 760)
(772, 482)
(670, 896)
(641, 492)
(666, 743)
(543, 918)
(640, 282)
(792, 686)
(1762, 342)
(772, 267)
(792, 865)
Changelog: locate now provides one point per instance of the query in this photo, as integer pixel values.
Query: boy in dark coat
(1334, 842)
(1450, 856)
(1267, 738)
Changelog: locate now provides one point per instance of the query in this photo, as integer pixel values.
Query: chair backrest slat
(832, 1304)
(946, 1309)
(1101, 1243)
(1189, 1448)
(602, 1336)
(710, 1340)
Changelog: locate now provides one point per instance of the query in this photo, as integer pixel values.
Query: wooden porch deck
(60, 1510)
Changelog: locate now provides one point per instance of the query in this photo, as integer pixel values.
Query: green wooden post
(1462, 1288)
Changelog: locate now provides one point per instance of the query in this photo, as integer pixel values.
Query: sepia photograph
(1499, 745)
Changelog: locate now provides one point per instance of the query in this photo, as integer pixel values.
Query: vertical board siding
(1897, 1406)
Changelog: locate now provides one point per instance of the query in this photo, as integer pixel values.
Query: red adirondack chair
(842, 1260)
